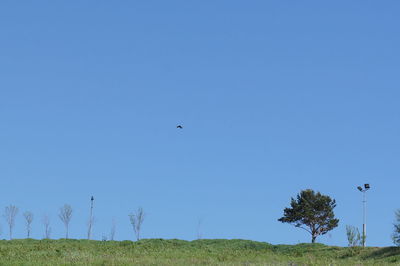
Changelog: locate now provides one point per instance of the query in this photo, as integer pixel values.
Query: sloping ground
(180, 252)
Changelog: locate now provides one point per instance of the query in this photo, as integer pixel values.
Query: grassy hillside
(180, 252)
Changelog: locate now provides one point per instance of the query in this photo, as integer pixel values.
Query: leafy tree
(396, 232)
(312, 212)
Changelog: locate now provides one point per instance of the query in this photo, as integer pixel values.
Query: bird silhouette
(179, 126)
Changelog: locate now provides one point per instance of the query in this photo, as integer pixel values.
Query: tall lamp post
(364, 233)
(90, 218)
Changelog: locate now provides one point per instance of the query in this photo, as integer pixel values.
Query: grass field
(180, 252)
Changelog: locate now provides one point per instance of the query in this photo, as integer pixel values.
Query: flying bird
(179, 126)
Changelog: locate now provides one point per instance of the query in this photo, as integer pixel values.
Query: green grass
(180, 252)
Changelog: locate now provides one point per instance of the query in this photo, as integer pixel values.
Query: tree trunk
(313, 239)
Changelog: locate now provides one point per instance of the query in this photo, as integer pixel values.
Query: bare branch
(113, 229)
(199, 232)
(136, 220)
(47, 228)
(9, 214)
(28, 222)
(65, 216)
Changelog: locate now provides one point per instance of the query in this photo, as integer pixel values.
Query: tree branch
(304, 229)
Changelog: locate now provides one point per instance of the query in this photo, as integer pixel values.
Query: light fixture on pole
(364, 233)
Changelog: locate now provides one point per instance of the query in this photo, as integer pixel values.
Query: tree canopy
(312, 212)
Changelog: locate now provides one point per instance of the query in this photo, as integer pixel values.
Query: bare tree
(136, 220)
(47, 228)
(91, 219)
(28, 222)
(9, 214)
(113, 228)
(199, 231)
(65, 216)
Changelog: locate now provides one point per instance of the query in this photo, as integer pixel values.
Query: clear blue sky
(274, 97)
